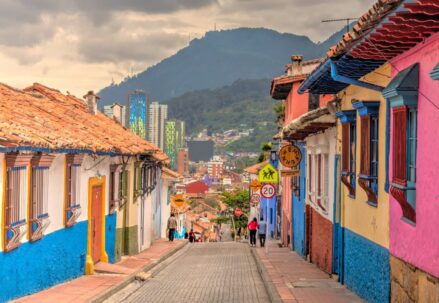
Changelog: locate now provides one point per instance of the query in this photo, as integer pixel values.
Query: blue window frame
(374, 127)
(352, 153)
(412, 125)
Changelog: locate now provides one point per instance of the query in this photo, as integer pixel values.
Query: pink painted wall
(419, 245)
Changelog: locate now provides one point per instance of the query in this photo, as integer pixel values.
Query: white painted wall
(324, 144)
(166, 208)
(91, 167)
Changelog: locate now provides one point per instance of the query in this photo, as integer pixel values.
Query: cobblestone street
(209, 272)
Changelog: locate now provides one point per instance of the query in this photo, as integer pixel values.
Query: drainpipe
(343, 79)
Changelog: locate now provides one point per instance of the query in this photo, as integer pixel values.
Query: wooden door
(96, 223)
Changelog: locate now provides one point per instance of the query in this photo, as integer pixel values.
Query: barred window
(73, 186)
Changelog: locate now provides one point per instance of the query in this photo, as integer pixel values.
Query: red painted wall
(321, 241)
(197, 187)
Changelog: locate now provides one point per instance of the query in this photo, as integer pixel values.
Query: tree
(239, 198)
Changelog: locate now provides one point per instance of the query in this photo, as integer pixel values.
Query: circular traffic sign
(268, 190)
(255, 199)
(290, 156)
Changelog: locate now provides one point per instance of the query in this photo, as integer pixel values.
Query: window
(149, 177)
(123, 185)
(73, 185)
(412, 124)
(16, 196)
(322, 181)
(368, 177)
(295, 186)
(115, 188)
(310, 177)
(313, 102)
(39, 196)
(402, 94)
(349, 137)
(138, 179)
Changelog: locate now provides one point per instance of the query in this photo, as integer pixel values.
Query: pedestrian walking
(262, 231)
(191, 236)
(172, 225)
(253, 227)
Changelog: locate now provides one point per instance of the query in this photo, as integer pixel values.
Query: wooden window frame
(114, 188)
(368, 177)
(13, 232)
(72, 209)
(39, 196)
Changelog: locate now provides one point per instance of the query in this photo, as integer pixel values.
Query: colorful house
(284, 88)
(60, 186)
(380, 130)
(304, 117)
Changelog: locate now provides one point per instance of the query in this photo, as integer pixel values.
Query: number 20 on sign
(268, 190)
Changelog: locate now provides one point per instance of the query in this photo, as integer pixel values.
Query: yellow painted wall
(358, 216)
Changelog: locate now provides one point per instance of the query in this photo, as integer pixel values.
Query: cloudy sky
(78, 45)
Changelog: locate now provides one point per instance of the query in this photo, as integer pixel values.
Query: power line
(348, 21)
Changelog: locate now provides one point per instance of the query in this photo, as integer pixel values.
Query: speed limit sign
(268, 190)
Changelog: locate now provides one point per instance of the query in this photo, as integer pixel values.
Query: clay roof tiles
(43, 118)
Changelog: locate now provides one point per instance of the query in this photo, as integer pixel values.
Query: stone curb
(268, 283)
(116, 288)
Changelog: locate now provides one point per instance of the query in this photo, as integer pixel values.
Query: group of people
(260, 228)
(172, 226)
(253, 227)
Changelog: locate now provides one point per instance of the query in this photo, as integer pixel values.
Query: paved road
(206, 272)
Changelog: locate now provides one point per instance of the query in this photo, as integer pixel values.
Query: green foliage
(261, 157)
(252, 143)
(279, 109)
(220, 220)
(266, 146)
(239, 198)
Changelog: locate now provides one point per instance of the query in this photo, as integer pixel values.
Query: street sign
(290, 156)
(290, 173)
(268, 174)
(178, 200)
(255, 199)
(268, 190)
(255, 185)
(238, 212)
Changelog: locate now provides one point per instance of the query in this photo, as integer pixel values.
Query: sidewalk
(299, 281)
(86, 288)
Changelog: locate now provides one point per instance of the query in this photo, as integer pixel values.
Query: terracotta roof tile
(44, 118)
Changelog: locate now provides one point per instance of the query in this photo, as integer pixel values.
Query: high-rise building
(158, 113)
(183, 162)
(215, 167)
(174, 139)
(137, 112)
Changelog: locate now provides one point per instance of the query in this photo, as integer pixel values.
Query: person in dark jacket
(191, 236)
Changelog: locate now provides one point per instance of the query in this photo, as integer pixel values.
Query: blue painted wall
(110, 237)
(271, 207)
(366, 268)
(299, 210)
(57, 257)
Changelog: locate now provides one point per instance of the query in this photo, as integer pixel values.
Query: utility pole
(348, 21)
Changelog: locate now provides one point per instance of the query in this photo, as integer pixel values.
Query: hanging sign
(268, 174)
(290, 155)
(268, 190)
(290, 173)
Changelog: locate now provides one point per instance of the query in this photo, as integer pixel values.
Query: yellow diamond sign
(268, 174)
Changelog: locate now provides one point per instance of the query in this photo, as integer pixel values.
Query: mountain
(216, 60)
(245, 104)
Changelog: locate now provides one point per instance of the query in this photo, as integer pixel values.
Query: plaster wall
(166, 207)
(419, 245)
(299, 210)
(323, 144)
(358, 216)
(321, 241)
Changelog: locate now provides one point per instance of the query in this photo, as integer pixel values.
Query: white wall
(324, 144)
(91, 167)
